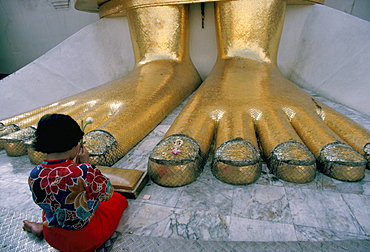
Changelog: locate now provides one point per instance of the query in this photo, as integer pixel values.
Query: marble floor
(209, 210)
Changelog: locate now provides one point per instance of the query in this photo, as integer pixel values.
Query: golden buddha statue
(244, 112)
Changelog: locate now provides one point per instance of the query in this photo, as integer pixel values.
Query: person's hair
(57, 133)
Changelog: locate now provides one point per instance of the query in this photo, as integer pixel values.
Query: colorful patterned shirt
(69, 193)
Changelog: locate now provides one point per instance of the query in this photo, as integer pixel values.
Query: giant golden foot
(126, 109)
(249, 112)
(252, 112)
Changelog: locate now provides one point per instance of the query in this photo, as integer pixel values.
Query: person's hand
(83, 156)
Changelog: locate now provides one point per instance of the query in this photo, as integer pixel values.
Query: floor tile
(262, 203)
(198, 225)
(321, 209)
(359, 205)
(305, 233)
(242, 229)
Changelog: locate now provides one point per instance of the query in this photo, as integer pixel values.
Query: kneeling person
(80, 209)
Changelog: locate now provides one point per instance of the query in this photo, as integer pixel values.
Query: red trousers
(91, 237)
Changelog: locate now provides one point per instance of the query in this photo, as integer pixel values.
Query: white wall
(358, 8)
(328, 52)
(29, 28)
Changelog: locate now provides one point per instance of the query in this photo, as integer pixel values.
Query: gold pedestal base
(125, 181)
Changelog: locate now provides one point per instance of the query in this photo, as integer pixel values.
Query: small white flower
(89, 120)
